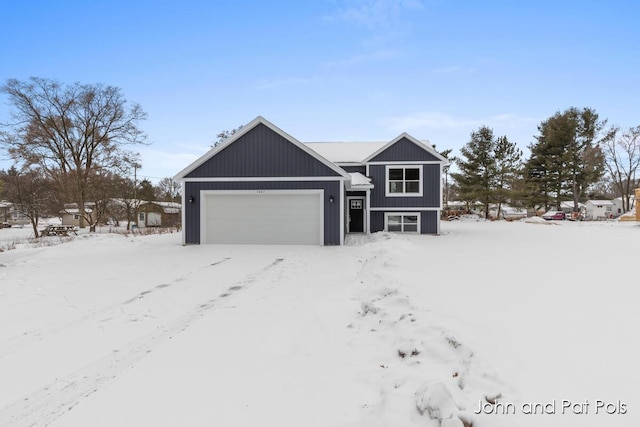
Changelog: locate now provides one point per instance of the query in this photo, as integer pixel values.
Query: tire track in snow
(15, 343)
(46, 405)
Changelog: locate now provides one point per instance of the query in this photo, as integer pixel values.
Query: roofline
(425, 147)
(245, 129)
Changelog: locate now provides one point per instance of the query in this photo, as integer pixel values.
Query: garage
(262, 217)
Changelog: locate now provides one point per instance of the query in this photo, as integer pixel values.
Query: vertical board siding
(428, 221)
(404, 150)
(331, 210)
(261, 152)
(430, 189)
(376, 221)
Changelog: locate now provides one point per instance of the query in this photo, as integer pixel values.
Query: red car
(554, 216)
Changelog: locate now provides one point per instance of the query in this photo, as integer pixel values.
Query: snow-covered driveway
(110, 330)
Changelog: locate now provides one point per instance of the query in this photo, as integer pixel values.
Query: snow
(346, 151)
(359, 180)
(389, 330)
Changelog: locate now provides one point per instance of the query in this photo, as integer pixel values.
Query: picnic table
(59, 230)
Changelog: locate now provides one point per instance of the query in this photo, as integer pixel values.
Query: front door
(356, 215)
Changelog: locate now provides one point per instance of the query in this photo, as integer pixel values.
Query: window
(402, 222)
(404, 181)
(141, 216)
(76, 217)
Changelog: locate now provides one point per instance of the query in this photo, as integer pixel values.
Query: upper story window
(404, 180)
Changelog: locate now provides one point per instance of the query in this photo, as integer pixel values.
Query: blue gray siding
(428, 221)
(261, 152)
(331, 210)
(430, 191)
(404, 150)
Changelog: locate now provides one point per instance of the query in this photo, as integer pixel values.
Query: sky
(387, 330)
(333, 70)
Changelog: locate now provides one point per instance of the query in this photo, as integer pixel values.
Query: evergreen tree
(508, 163)
(477, 167)
(566, 158)
(146, 191)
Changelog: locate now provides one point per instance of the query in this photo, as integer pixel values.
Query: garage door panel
(271, 218)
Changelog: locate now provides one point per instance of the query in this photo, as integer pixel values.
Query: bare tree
(30, 192)
(222, 136)
(622, 154)
(74, 133)
(168, 189)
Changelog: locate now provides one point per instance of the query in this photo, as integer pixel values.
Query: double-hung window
(404, 180)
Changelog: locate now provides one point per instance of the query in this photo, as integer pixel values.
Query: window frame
(402, 221)
(404, 181)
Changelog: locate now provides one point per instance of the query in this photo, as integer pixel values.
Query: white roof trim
(246, 128)
(426, 147)
(265, 178)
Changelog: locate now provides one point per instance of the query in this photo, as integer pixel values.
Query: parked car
(554, 216)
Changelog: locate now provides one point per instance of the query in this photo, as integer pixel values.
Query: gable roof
(425, 146)
(244, 130)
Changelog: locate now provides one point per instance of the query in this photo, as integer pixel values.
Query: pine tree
(566, 159)
(477, 169)
(508, 158)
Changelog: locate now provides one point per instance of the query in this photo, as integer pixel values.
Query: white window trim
(403, 166)
(386, 221)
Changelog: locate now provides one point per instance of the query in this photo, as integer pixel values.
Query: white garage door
(263, 217)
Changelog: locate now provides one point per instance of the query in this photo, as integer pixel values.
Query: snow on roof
(73, 211)
(346, 152)
(360, 181)
(600, 202)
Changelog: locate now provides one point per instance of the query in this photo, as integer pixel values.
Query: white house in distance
(598, 209)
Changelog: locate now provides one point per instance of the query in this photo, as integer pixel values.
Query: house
(159, 214)
(71, 214)
(262, 185)
(598, 209)
(618, 208)
(509, 213)
(11, 215)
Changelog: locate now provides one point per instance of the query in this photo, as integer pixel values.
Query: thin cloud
(440, 120)
(375, 14)
(454, 69)
(365, 58)
(278, 83)
(429, 120)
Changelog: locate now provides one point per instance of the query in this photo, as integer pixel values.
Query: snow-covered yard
(389, 330)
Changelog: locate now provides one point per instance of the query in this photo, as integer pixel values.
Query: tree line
(73, 144)
(575, 157)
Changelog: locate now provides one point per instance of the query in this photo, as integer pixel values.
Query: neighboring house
(598, 209)
(71, 214)
(11, 215)
(567, 207)
(617, 206)
(509, 213)
(159, 214)
(264, 186)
